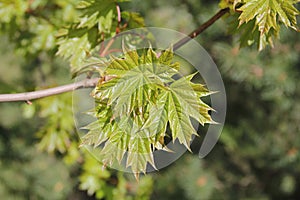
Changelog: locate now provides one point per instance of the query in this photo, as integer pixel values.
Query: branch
(27, 96)
(200, 29)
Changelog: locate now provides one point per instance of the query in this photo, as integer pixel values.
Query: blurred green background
(257, 156)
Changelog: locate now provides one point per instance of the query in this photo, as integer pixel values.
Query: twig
(27, 96)
(200, 29)
(104, 52)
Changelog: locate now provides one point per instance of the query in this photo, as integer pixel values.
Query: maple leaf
(134, 108)
(266, 14)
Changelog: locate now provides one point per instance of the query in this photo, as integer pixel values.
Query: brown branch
(200, 29)
(27, 96)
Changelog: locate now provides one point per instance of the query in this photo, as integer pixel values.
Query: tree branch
(27, 96)
(200, 29)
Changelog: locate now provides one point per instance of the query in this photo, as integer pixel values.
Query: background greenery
(257, 156)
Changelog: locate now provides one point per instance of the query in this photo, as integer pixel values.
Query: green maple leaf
(266, 14)
(135, 106)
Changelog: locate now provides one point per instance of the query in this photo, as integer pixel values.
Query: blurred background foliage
(257, 156)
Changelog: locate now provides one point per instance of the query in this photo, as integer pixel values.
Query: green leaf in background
(99, 20)
(11, 9)
(32, 25)
(74, 49)
(93, 178)
(138, 101)
(267, 13)
(58, 131)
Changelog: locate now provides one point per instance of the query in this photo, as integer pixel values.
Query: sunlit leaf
(136, 105)
(267, 14)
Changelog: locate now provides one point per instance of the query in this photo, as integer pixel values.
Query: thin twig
(27, 96)
(200, 29)
(104, 52)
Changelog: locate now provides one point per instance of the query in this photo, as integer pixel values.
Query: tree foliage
(259, 20)
(136, 104)
(138, 99)
(98, 20)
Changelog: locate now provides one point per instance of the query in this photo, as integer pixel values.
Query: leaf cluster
(258, 21)
(137, 104)
(32, 25)
(98, 21)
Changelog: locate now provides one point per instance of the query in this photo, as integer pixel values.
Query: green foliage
(32, 25)
(266, 15)
(258, 154)
(57, 132)
(259, 21)
(98, 21)
(103, 184)
(30, 174)
(26, 172)
(136, 104)
(274, 82)
(268, 83)
(189, 179)
(93, 179)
